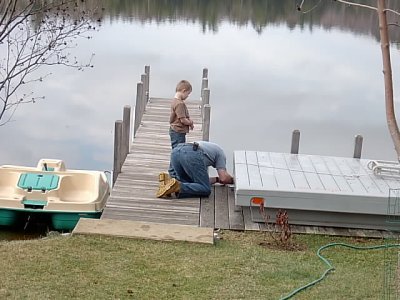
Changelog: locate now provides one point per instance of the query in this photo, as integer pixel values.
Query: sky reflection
(326, 83)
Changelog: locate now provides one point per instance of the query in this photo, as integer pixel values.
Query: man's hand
(224, 177)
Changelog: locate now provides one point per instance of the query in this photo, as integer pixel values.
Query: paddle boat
(60, 195)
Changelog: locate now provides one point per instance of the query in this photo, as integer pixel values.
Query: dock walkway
(133, 195)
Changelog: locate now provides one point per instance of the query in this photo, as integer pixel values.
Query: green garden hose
(330, 266)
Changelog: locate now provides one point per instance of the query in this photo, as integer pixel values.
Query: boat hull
(62, 221)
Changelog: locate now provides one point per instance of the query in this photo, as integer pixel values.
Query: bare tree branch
(36, 34)
(357, 4)
(392, 11)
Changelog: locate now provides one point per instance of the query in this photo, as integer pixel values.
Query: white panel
(350, 176)
(310, 173)
(251, 158)
(282, 174)
(364, 177)
(264, 159)
(298, 177)
(268, 178)
(254, 177)
(325, 176)
(267, 172)
(239, 157)
(241, 177)
(336, 174)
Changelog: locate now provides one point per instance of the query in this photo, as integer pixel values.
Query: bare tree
(381, 10)
(33, 34)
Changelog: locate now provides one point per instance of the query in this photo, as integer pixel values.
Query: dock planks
(133, 195)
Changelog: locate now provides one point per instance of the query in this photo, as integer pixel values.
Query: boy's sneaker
(171, 186)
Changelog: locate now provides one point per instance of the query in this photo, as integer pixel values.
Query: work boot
(171, 186)
(163, 178)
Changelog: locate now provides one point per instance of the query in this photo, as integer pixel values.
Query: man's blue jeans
(176, 138)
(190, 171)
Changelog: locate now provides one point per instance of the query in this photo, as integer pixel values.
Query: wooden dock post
(117, 150)
(126, 130)
(147, 86)
(295, 142)
(204, 85)
(205, 73)
(358, 141)
(206, 122)
(143, 79)
(138, 107)
(205, 99)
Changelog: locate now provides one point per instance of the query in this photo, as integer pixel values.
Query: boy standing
(179, 119)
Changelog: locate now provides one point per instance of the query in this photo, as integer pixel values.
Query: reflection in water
(272, 70)
(258, 14)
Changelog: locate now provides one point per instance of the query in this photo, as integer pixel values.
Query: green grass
(237, 267)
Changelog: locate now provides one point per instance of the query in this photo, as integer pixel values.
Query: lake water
(271, 68)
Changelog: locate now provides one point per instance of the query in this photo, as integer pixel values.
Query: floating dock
(315, 190)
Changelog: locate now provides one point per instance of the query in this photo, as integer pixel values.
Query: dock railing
(205, 103)
(122, 128)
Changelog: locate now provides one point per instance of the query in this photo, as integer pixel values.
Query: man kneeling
(190, 162)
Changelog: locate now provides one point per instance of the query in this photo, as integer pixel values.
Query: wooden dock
(133, 193)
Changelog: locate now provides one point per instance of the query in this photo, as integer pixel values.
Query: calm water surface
(271, 70)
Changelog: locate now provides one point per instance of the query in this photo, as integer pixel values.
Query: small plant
(279, 231)
(282, 227)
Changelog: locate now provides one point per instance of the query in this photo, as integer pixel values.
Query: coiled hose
(330, 266)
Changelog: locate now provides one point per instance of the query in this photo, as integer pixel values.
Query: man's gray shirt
(213, 155)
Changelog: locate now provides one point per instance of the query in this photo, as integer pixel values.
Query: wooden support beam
(145, 230)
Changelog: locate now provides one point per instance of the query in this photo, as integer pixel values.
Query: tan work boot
(163, 178)
(171, 186)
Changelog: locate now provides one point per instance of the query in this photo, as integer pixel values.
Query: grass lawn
(236, 267)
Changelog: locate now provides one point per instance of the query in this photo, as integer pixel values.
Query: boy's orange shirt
(179, 110)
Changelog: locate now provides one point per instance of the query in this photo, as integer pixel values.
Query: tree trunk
(387, 72)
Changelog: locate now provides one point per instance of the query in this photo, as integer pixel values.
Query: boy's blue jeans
(176, 138)
(190, 171)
